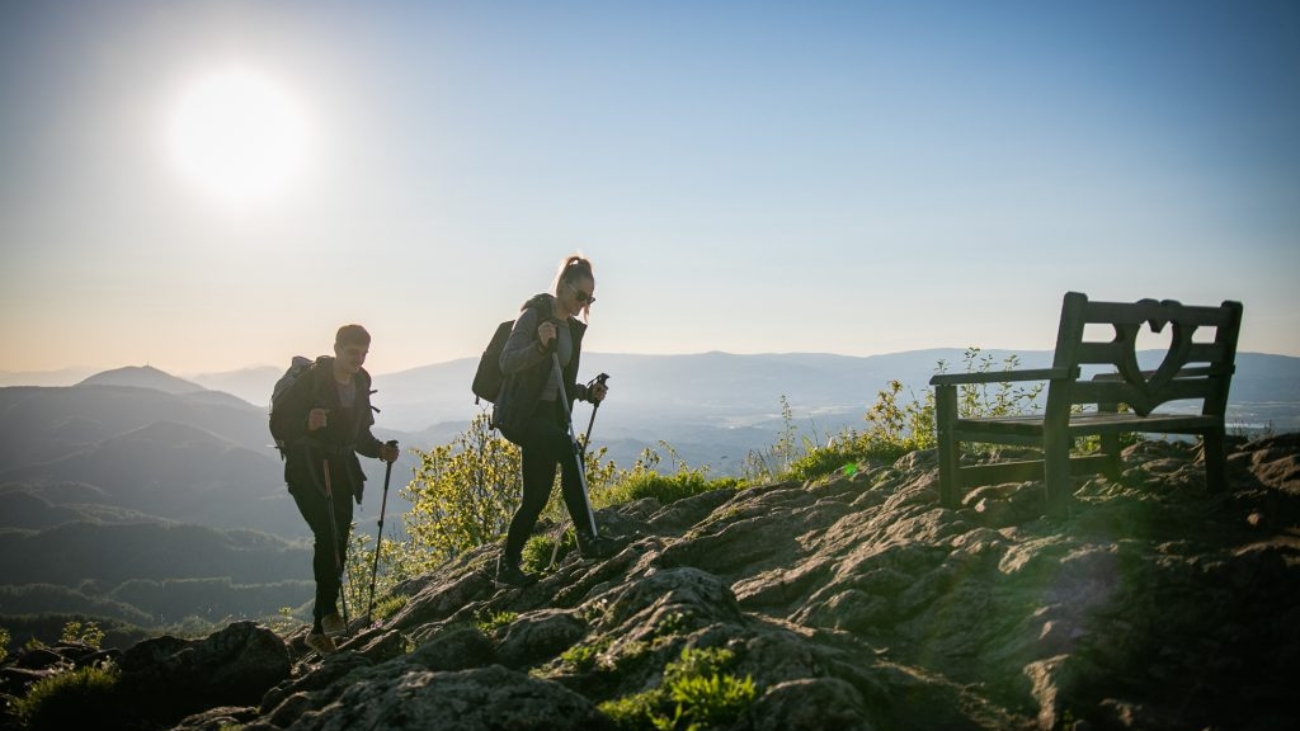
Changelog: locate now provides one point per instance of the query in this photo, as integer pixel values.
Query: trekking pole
(334, 535)
(379, 539)
(579, 454)
(586, 439)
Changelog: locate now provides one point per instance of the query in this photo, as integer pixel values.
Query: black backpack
(298, 366)
(489, 379)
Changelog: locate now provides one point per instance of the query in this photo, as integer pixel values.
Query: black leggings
(325, 563)
(545, 443)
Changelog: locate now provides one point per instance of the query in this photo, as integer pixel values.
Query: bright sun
(238, 135)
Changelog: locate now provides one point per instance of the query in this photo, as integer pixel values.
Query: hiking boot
(321, 643)
(509, 574)
(595, 546)
(333, 625)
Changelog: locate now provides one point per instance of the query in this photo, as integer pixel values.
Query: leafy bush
(489, 622)
(87, 633)
(389, 605)
(464, 493)
(696, 694)
(666, 489)
(539, 549)
(82, 698)
(4, 643)
(584, 658)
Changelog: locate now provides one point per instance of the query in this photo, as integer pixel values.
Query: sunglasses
(582, 297)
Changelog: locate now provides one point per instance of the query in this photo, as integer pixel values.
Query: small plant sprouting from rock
(584, 658)
(696, 694)
(389, 605)
(538, 550)
(673, 623)
(594, 611)
(489, 622)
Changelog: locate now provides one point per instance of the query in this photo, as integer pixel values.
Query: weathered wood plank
(1039, 374)
(1025, 470)
(1137, 313)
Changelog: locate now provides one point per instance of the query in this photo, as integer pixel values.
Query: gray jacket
(527, 367)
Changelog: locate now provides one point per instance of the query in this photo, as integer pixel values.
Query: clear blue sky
(850, 177)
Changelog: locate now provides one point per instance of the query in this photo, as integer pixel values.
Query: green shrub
(464, 493)
(669, 488)
(4, 643)
(490, 622)
(583, 658)
(696, 694)
(713, 701)
(87, 633)
(539, 548)
(83, 698)
(389, 605)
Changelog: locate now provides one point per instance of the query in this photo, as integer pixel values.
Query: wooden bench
(1191, 370)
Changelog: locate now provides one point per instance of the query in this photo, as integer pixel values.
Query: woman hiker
(540, 363)
(324, 419)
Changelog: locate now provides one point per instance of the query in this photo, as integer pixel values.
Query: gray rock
(538, 636)
(456, 649)
(217, 719)
(233, 667)
(485, 698)
(810, 703)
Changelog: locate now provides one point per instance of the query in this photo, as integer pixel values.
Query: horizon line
(94, 370)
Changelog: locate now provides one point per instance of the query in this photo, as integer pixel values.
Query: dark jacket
(346, 434)
(527, 367)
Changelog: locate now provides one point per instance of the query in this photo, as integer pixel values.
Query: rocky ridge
(850, 602)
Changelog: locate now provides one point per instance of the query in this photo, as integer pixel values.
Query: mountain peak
(142, 377)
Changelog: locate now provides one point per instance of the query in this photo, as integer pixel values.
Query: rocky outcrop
(850, 602)
(171, 678)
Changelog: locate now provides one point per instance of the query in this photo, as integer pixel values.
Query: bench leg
(945, 416)
(1216, 463)
(1056, 472)
(1110, 445)
(1110, 449)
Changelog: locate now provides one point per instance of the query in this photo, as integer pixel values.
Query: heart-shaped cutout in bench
(1151, 389)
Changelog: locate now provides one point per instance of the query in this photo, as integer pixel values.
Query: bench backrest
(1190, 370)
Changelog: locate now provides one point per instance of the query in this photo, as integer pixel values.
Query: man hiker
(324, 421)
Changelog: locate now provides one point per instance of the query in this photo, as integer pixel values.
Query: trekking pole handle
(388, 473)
(598, 380)
(586, 438)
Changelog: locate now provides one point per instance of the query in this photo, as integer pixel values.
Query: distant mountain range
(177, 448)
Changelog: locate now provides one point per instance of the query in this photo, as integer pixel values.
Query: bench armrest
(1037, 374)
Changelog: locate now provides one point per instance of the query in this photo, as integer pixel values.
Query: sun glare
(238, 135)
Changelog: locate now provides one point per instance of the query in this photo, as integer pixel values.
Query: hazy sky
(849, 177)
